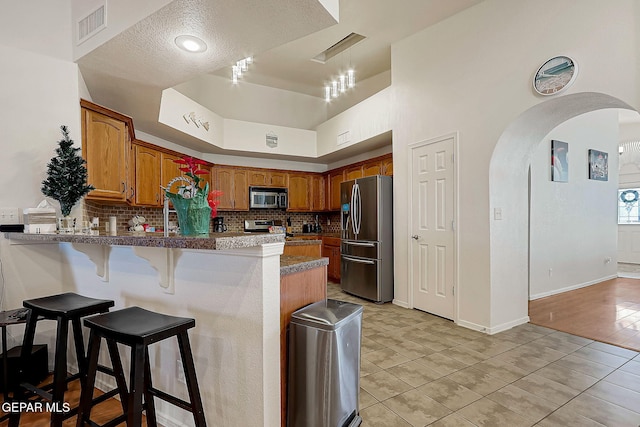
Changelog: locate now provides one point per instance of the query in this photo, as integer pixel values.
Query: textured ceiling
(128, 72)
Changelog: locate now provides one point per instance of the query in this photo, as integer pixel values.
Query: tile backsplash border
(234, 220)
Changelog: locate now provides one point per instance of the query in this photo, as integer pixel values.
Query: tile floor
(419, 370)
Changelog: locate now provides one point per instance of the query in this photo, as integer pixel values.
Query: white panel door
(432, 227)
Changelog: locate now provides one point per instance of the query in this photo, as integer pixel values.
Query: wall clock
(555, 75)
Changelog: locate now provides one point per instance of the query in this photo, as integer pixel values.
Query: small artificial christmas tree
(67, 175)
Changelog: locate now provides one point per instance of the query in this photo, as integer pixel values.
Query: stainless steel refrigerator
(367, 237)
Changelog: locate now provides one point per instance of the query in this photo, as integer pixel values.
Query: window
(628, 212)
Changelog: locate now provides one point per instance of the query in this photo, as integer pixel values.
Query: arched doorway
(508, 176)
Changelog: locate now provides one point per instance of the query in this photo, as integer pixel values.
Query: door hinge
(453, 225)
(453, 158)
(453, 290)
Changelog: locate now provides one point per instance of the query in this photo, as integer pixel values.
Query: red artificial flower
(213, 202)
(192, 168)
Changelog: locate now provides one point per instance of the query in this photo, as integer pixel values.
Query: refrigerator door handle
(361, 261)
(368, 245)
(357, 209)
(353, 209)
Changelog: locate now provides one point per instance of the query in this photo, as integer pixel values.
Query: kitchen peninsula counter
(215, 241)
(230, 283)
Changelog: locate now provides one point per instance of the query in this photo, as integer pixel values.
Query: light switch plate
(9, 216)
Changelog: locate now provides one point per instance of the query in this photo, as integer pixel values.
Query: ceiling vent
(338, 47)
(92, 23)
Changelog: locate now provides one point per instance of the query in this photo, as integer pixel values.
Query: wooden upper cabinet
(279, 179)
(334, 180)
(234, 186)
(105, 147)
(387, 166)
(317, 193)
(299, 192)
(353, 172)
(258, 177)
(147, 177)
(268, 178)
(372, 168)
(240, 191)
(170, 170)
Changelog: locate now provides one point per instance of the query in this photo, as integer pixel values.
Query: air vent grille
(92, 23)
(338, 47)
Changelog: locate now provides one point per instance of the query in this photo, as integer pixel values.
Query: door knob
(415, 237)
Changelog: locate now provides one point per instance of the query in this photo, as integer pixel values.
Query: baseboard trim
(471, 325)
(508, 325)
(571, 288)
(399, 303)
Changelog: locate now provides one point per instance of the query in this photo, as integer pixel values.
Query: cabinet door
(170, 170)
(279, 179)
(240, 190)
(299, 194)
(105, 144)
(387, 166)
(317, 193)
(354, 172)
(147, 177)
(369, 169)
(335, 179)
(224, 183)
(258, 177)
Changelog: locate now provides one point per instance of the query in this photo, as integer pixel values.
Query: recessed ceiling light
(191, 44)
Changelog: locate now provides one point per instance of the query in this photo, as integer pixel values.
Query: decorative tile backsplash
(330, 221)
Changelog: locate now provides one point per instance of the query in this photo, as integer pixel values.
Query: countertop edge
(290, 264)
(223, 241)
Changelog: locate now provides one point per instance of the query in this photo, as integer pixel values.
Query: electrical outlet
(181, 377)
(9, 216)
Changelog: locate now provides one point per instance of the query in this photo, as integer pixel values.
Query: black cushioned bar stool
(138, 328)
(63, 308)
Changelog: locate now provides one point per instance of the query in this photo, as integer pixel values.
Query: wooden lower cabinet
(296, 291)
(331, 250)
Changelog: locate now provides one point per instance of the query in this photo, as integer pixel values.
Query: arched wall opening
(508, 198)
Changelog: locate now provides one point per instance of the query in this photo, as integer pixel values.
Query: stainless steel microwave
(268, 198)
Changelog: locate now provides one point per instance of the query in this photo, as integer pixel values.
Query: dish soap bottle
(289, 226)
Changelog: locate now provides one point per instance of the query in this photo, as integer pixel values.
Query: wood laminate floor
(608, 312)
(101, 413)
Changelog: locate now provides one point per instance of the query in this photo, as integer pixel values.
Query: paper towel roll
(113, 226)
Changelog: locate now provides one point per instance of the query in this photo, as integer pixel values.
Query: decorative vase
(194, 214)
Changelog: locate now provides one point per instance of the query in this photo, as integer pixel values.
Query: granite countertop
(218, 241)
(301, 242)
(295, 264)
(320, 235)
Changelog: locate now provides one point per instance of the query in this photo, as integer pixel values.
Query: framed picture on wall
(559, 161)
(598, 165)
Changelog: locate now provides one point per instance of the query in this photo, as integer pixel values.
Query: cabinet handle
(133, 192)
(124, 187)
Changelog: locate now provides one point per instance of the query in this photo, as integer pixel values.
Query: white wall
(251, 137)
(574, 223)
(365, 120)
(38, 93)
(36, 26)
(472, 75)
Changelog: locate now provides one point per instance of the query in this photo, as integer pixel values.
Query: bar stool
(138, 328)
(62, 308)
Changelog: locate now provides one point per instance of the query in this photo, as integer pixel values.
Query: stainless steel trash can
(324, 365)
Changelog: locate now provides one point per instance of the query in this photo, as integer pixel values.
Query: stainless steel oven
(267, 198)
